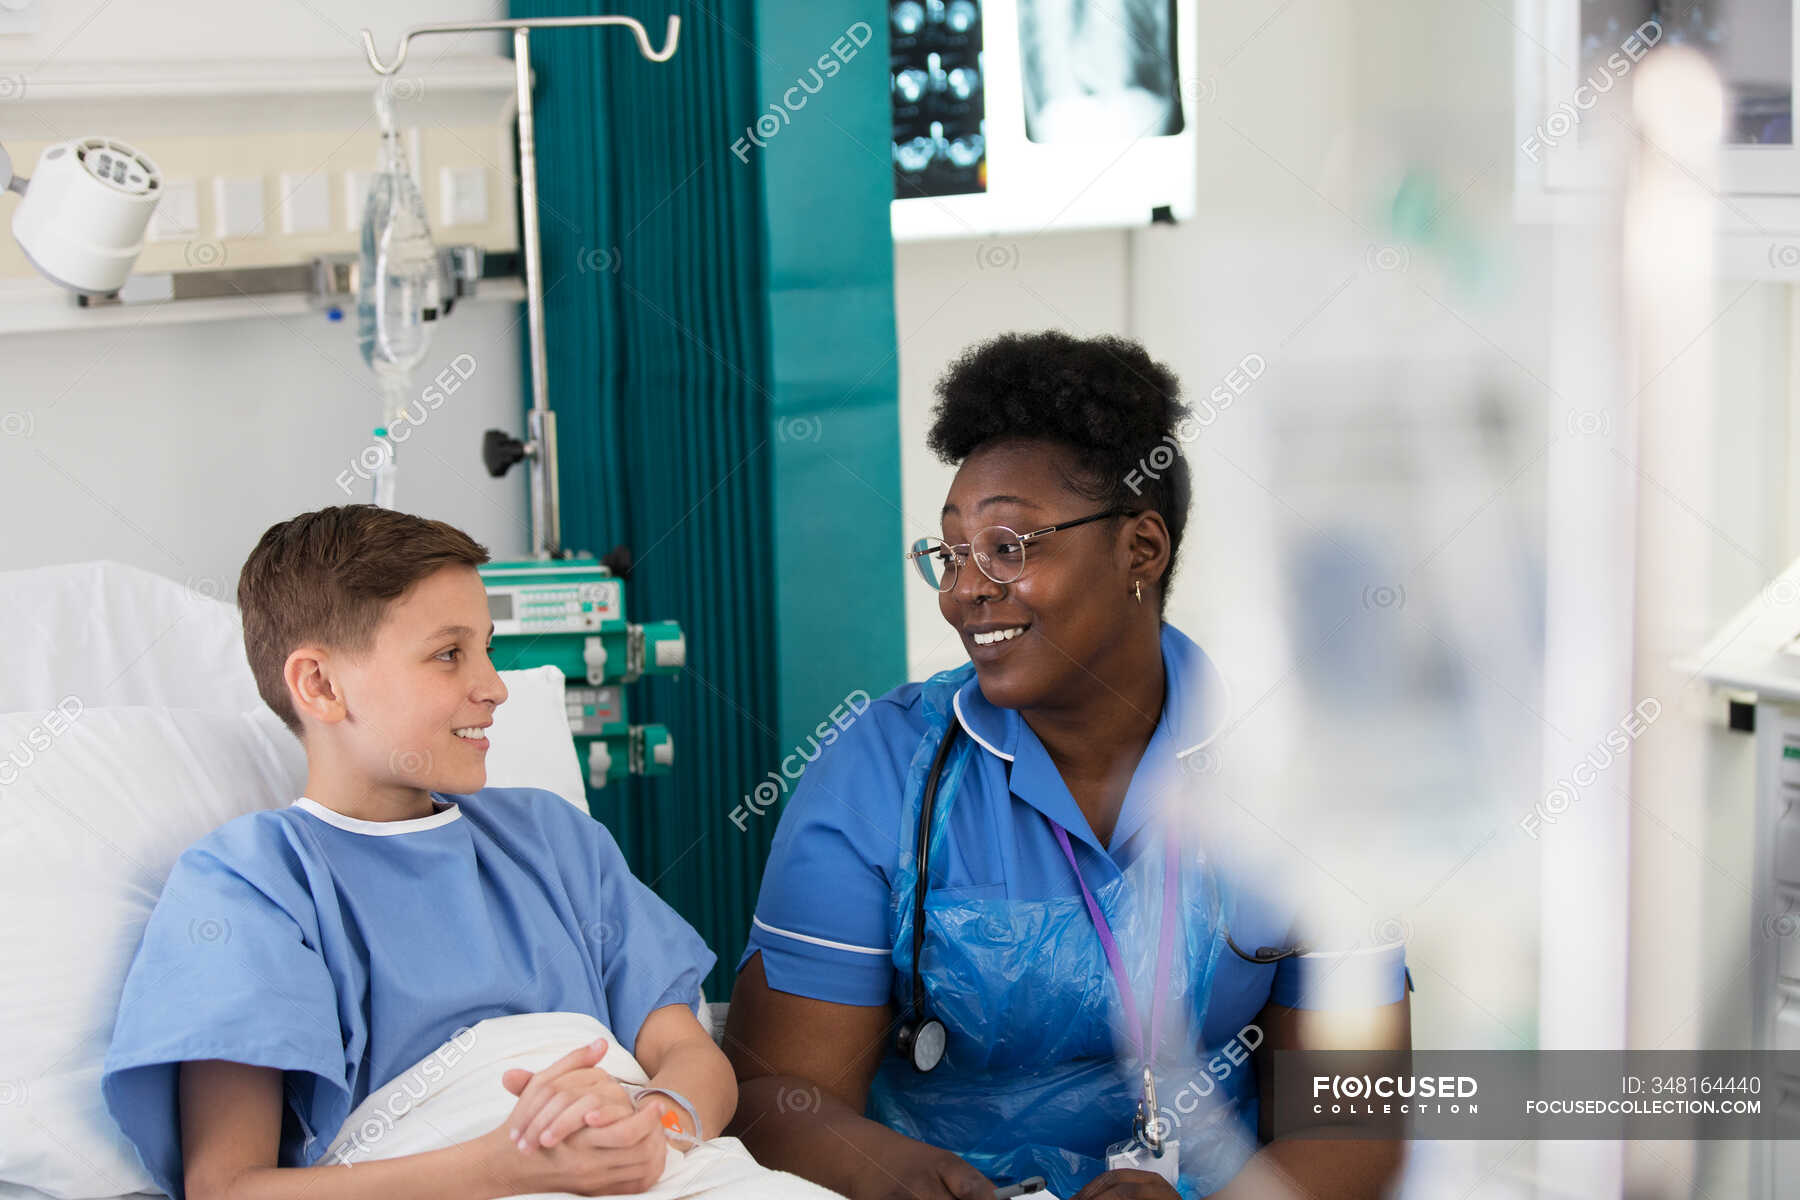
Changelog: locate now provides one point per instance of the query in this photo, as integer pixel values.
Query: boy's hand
(623, 1158)
(569, 1094)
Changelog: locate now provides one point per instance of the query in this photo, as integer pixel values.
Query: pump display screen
(554, 608)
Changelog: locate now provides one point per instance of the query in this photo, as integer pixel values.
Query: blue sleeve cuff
(1342, 979)
(838, 973)
(686, 992)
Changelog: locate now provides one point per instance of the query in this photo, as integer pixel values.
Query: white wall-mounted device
(81, 217)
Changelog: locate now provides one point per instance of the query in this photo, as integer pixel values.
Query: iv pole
(546, 511)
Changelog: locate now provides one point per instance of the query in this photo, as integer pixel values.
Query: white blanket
(454, 1094)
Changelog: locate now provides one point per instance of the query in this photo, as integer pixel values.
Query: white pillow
(530, 744)
(94, 811)
(114, 635)
(96, 805)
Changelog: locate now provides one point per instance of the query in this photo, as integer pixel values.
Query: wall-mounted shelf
(223, 295)
(53, 318)
(240, 96)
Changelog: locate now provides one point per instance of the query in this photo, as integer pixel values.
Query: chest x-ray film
(1099, 70)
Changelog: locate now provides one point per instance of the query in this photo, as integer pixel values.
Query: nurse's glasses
(998, 552)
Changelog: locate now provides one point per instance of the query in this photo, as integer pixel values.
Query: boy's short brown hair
(327, 577)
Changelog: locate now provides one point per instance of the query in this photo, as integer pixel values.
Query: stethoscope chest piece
(924, 1044)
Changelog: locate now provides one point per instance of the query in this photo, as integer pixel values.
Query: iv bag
(398, 289)
(399, 283)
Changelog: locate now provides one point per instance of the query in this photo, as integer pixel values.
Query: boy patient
(299, 958)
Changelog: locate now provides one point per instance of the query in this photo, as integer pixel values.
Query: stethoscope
(921, 1037)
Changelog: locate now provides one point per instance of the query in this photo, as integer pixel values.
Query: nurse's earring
(1137, 589)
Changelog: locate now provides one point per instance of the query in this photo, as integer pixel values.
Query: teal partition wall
(827, 183)
(726, 401)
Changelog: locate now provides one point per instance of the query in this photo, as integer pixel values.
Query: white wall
(173, 447)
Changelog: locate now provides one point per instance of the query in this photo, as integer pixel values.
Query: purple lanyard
(1164, 949)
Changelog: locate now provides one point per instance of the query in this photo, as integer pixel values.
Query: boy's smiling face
(382, 732)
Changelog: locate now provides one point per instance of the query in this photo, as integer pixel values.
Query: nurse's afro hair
(1103, 397)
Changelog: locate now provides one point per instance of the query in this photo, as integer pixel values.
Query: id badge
(1133, 1155)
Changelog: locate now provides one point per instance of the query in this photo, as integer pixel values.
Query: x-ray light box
(1029, 116)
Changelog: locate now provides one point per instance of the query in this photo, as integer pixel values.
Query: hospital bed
(130, 726)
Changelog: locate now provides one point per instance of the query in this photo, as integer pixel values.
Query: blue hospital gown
(344, 951)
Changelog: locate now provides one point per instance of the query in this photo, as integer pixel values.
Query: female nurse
(1092, 994)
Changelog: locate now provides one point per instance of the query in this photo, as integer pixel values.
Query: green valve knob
(664, 647)
(652, 750)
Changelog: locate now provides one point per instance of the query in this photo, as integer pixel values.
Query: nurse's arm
(1307, 1167)
(804, 1067)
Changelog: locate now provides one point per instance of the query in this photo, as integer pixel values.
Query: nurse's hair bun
(1103, 397)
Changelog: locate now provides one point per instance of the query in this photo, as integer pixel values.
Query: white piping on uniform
(956, 703)
(1223, 723)
(816, 941)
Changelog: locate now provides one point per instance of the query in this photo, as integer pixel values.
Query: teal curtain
(722, 365)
